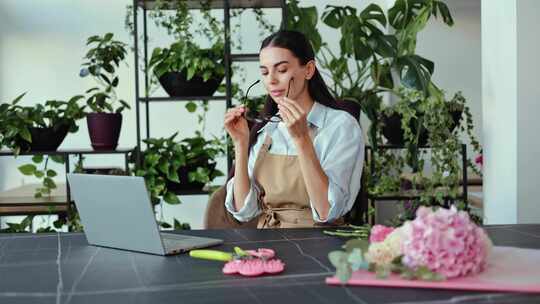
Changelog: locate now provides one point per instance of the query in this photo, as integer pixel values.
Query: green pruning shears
(218, 255)
(238, 254)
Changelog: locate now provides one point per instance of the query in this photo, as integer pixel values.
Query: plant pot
(456, 118)
(183, 175)
(104, 130)
(176, 85)
(44, 139)
(394, 134)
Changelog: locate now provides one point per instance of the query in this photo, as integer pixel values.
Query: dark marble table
(62, 268)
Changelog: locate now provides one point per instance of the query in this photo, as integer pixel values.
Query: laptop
(116, 212)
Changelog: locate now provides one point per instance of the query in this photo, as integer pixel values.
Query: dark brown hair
(300, 47)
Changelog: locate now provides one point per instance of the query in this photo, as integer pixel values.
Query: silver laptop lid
(116, 212)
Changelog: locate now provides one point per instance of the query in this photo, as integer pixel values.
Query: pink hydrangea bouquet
(438, 244)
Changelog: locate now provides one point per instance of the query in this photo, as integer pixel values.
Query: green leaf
(25, 134)
(39, 174)
(374, 12)
(337, 257)
(173, 176)
(350, 245)
(417, 70)
(49, 183)
(18, 98)
(171, 198)
(164, 166)
(51, 173)
(445, 12)
(58, 159)
(382, 272)
(356, 260)
(28, 169)
(191, 107)
(37, 158)
(108, 37)
(115, 82)
(164, 225)
(344, 273)
(386, 45)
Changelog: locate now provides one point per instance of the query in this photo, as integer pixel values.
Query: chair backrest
(358, 213)
(216, 215)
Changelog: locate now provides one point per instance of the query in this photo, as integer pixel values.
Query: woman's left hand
(294, 118)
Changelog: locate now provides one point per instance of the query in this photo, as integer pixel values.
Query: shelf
(21, 201)
(69, 151)
(189, 98)
(403, 195)
(245, 57)
(190, 192)
(395, 147)
(214, 4)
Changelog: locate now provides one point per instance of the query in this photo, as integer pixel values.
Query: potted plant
(373, 60)
(169, 165)
(103, 60)
(39, 128)
(184, 68)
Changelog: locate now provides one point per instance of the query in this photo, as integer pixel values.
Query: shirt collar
(315, 117)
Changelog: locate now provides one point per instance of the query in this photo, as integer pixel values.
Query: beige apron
(283, 197)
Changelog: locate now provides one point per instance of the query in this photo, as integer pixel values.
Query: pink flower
(379, 232)
(479, 160)
(446, 241)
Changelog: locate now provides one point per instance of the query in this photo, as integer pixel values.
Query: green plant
(187, 56)
(432, 115)
(368, 55)
(45, 174)
(176, 225)
(377, 53)
(184, 55)
(103, 60)
(16, 120)
(163, 158)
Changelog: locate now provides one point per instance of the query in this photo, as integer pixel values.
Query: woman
(300, 165)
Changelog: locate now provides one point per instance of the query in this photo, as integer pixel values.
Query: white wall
(511, 91)
(41, 49)
(528, 109)
(499, 89)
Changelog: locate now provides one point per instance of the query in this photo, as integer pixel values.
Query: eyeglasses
(252, 115)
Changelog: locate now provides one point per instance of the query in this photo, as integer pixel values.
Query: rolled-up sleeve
(251, 207)
(341, 156)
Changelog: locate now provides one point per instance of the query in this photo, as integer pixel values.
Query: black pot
(183, 175)
(44, 139)
(104, 130)
(176, 85)
(456, 118)
(394, 134)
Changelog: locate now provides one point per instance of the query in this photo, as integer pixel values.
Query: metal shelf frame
(226, 5)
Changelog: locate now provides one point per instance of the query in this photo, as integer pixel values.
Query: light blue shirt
(339, 146)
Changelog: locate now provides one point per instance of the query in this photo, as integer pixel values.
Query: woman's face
(278, 66)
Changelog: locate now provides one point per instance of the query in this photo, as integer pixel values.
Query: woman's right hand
(236, 125)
